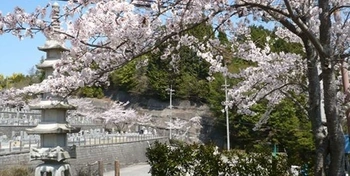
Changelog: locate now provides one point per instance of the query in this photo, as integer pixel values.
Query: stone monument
(53, 127)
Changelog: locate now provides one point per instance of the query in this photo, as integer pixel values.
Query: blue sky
(20, 56)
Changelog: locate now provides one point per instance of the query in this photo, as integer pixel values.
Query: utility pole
(171, 90)
(226, 110)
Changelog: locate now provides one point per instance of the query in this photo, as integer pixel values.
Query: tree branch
(287, 24)
(295, 101)
(335, 8)
(294, 18)
(264, 7)
(343, 56)
(305, 29)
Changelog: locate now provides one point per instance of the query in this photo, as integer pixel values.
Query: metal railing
(110, 139)
(14, 146)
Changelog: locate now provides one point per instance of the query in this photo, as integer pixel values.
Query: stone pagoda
(53, 127)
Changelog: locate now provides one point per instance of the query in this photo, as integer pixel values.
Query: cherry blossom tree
(105, 35)
(119, 115)
(10, 98)
(111, 113)
(144, 119)
(85, 109)
(326, 43)
(183, 126)
(117, 32)
(2, 100)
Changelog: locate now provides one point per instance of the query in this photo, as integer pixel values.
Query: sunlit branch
(336, 8)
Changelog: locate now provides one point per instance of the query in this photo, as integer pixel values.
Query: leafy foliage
(188, 76)
(17, 171)
(195, 159)
(260, 37)
(90, 92)
(126, 78)
(16, 80)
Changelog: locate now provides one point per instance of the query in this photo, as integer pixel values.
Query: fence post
(90, 171)
(100, 168)
(116, 168)
(30, 143)
(10, 145)
(20, 145)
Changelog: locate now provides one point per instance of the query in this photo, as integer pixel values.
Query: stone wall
(125, 153)
(15, 159)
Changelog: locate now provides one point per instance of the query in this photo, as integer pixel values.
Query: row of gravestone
(102, 132)
(82, 135)
(80, 120)
(15, 116)
(19, 136)
(22, 110)
(24, 115)
(33, 118)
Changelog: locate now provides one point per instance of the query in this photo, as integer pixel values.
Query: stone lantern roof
(53, 128)
(51, 45)
(52, 104)
(47, 64)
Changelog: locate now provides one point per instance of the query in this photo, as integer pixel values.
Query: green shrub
(198, 159)
(17, 171)
(256, 163)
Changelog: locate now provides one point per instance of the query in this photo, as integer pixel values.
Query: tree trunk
(335, 132)
(314, 110)
(328, 63)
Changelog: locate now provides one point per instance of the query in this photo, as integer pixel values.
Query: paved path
(141, 169)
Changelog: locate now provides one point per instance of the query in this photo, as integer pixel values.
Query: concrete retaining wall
(125, 153)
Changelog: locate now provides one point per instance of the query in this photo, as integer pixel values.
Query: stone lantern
(53, 127)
